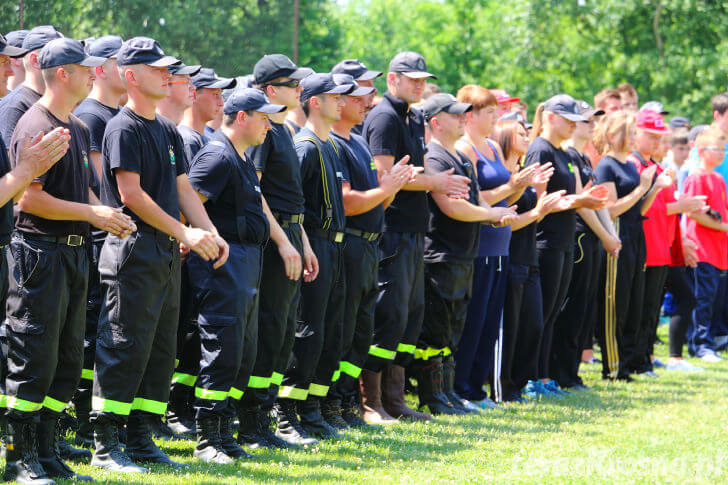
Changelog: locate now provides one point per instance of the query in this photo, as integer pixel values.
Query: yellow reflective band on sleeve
(53, 404)
(210, 395)
(349, 369)
(382, 353)
(184, 379)
(3, 401)
(257, 382)
(236, 394)
(428, 353)
(406, 348)
(318, 390)
(87, 374)
(276, 378)
(154, 407)
(23, 405)
(293, 393)
(107, 405)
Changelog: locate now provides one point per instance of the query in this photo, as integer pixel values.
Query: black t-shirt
(626, 178)
(6, 211)
(151, 148)
(12, 107)
(448, 239)
(324, 208)
(193, 141)
(583, 167)
(231, 186)
(281, 171)
(96, 115)
(555, 231)
(69, 179)
(523, 241)
(391, 129)
(359, 170)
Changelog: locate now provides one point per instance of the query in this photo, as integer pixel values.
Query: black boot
(109, 454)
(331, 411)
(180, 417)
(209, 447)
(49, 454)
(288, 427)
(312, 420)
(228, 440)
(351, 412)
(429, 387)
(85, 432)
(139, 444)
(68, 452)
(21, 457)
(448, 383)
(249, 431)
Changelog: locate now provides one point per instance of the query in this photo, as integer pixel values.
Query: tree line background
(670, 50)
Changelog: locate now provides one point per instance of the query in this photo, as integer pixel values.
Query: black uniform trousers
(448, 288)
(621, 299)
(278, 308)
(401, 301)
(188, 346)
(361, 258)
(574, 322)
(45, 325)
(522, 328)
(5, 261)
(679, 284)
(226, 303)
(655, 278)
(317, 348)
(137, 334)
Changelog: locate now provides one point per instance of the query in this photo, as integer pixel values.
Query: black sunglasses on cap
(293, 83)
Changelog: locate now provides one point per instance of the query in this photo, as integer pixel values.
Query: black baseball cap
(273, 66)
(356, 69)
(143, 50)
(443, 102)
(564, 105)
(347, 79)
(679, 122)
(411, 64)
(516, 116)
(587, 111)
(247, 99)
(655, 106)
(10, 50)
(183, 69)
(16, 37)
(39, 36)
(207, 78)
(107, 46)
(316, 84)
(59, 52)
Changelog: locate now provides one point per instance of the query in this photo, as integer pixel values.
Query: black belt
(368, 236)
(286, 220)
(333, 236)
(73, 240)
(158, 235)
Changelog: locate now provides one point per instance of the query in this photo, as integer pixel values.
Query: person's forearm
(526, 218)
(144, 207)
(591, 220)
(462, 210)
(497, 194)
(707, 221)
(42, 204)
(421, 182)
(192, 208)
(13, 183)
(358, 202)
(625, 203)
(649, 199)
(277, 234)
(606, 221)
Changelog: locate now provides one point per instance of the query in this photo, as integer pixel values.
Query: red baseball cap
(502, 96)
(652, 122)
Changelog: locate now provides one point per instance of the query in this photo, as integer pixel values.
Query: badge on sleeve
(171, 155)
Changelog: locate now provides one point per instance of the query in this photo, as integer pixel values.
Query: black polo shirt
(626, 178)
(555, 231)
(448, 239)
(69, 179)
(6, 211)
(276, 159)
(12, 107)
(96, 115)
(583, 168)
(151, 148)
(320, 185)
(523, 241)
(193, 142)
(231, 186)
(394, 129)
(359, 170)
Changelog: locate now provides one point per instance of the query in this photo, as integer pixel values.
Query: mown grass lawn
(666, 430)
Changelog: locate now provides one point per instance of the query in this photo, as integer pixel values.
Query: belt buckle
(74, 240)
(372, 236)
(338, 237)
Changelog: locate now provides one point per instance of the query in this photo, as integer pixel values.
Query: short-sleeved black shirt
(359, 170)
(583, 167)
(393, 129)
(555, 231)
(626, 178)
(523, 241)
(448, 239)
(314, 178)
(281, 171)
(69, 179)
(6, 211)
(96, 115)
(231, 186)
(151, 148)
(193, 141)
(12, 107)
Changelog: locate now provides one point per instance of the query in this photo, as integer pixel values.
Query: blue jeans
(707, 281)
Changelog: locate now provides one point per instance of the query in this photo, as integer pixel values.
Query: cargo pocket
(24, 326)
(126, 249)
(216, 320)
(114, 335)
(28, 262)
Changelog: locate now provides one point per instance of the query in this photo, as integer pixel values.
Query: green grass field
(667, 430)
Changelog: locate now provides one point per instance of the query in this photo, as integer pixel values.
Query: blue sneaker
(533, 390)
(553, 387)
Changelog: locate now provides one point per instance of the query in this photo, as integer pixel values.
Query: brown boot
(393, 395)
(371, 399)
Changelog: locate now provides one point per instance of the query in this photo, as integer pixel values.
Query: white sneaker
(684, 366)
(710, 357)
